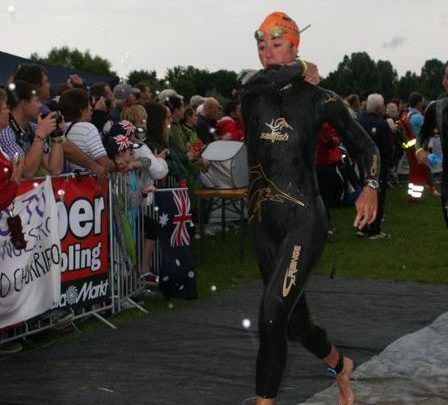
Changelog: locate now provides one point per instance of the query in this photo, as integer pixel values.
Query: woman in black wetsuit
(283, 114)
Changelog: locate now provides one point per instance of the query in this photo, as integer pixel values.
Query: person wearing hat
(124, 95)
(120, 147)
(283, 114)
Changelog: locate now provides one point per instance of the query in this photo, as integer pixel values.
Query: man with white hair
(376, 126)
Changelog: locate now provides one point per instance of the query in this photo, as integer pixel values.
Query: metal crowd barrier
(49, 319)
(125, 277)
(124, 281)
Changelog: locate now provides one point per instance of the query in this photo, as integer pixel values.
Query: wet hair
(31, 73)
(72, 102)
(18, 91)
(414, 98)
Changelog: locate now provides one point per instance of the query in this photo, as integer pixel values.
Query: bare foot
(346, 395)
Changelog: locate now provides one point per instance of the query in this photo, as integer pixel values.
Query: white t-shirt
(158, 169)
(87, 138)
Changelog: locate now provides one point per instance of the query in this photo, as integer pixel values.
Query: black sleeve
(428, 127)
(203, 131)
(359, 144)
(386, 141)
(99, 119)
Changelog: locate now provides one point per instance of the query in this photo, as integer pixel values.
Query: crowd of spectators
(385, 123)
(102, 130)
(68, 132)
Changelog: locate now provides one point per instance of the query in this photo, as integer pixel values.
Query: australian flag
(177, 276)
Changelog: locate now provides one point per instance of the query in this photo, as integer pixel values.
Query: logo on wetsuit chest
(276, 133)
(290, 277)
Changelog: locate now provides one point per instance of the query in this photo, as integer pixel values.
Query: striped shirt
(87, 138)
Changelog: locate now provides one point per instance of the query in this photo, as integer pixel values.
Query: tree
(407, 84)
(188, 81)
(185, 80)
(388, 79)
(144, 76)
(355, 74)
(431, 78)
(75, 59)
(224, 82)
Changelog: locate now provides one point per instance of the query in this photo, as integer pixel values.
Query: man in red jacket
(230, 127)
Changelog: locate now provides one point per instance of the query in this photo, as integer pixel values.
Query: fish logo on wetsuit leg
(290, 277)
(276, 128)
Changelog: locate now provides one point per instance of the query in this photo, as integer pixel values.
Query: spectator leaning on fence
(179, 141)
(75, 105)
(37, 76)
(158, 139)
(120, 147)
(137, 115)
(22, 137)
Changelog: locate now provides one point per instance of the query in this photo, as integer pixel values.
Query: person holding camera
(37, 75)
(39, 143)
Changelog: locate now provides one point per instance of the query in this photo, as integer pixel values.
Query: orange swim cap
(278, 24)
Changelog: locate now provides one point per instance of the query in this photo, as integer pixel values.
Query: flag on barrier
(177, 274)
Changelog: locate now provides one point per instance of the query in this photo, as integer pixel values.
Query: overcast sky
(157, 34)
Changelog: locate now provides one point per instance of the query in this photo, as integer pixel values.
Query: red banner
(82, 205)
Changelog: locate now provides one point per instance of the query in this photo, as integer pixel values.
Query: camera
(59, 119)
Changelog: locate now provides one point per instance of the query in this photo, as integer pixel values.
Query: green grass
(415, 252)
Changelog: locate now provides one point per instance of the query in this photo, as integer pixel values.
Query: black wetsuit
(436, 117)
(283, 115)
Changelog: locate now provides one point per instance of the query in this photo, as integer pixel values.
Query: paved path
(201, 354)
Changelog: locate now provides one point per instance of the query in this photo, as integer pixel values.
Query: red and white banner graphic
(66, 259)
(82, 205)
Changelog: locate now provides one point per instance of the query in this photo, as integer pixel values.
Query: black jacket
(380, 132)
